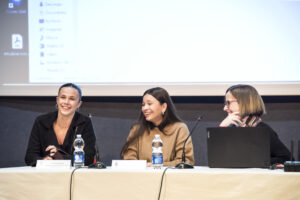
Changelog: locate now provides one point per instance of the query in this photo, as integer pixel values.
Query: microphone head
(200, 118)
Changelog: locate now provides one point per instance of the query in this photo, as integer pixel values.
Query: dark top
(279, 152)
(43, 135)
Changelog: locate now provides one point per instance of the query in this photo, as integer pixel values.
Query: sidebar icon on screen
(17, 41)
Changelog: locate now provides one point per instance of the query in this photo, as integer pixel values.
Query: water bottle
(157, 154)
(78, 155)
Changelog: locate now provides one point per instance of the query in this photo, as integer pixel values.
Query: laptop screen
(238, 147)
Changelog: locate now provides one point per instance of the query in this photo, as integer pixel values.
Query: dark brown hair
(170, 116)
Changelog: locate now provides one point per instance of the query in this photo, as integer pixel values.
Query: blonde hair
(250, 102)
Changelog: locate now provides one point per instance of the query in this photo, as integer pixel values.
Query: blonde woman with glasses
(244, 107)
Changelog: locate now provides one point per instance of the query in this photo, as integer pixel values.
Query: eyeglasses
(228, 102)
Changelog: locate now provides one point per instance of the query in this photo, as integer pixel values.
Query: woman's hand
(149, 164)
(232, 118)
(52, 150)
(47, 158)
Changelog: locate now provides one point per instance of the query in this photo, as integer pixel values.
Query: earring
(162, 113)
(56, 106)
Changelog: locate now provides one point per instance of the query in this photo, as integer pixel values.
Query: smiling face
(231, 103)
(152, 109)
(68, 101)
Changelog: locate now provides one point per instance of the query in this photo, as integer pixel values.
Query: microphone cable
(71, 181)
(160, 187)
(162, 180)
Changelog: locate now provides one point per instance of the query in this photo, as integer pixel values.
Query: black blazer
(43, 135)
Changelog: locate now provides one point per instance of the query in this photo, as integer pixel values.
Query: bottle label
(78, 158)
(157, 159)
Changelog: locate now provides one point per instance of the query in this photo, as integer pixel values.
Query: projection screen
(121, 48)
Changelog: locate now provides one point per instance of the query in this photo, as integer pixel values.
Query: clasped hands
(52, 151)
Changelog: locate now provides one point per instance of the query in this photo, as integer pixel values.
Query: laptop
(238, 147)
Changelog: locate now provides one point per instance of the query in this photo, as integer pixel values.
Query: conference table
(21, 183)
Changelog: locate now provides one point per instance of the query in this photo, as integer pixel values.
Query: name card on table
(129, 164)
(53, 164)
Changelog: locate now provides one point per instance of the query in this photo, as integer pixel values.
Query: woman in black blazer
(53, 133)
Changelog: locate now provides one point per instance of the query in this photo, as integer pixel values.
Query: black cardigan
(279, 152)
(43, 135)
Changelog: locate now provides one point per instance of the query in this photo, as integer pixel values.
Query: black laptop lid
(238, 147)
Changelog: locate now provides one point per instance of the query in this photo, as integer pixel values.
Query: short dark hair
(73, 85)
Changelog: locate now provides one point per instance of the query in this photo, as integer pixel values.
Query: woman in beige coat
(158, 116)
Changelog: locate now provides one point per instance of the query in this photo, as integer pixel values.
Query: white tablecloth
(200, 183)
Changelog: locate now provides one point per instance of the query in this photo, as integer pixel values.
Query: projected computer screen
(191, 47)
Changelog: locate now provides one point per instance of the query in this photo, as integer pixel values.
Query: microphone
(183, 164)
(292, 150)
(298, 150)
(97, 164)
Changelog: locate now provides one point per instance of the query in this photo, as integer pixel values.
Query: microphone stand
(97, 164)
(184, 164)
